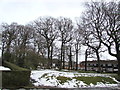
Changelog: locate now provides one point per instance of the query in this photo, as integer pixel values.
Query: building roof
(102, 61)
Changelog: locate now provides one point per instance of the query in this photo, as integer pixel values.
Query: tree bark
(76, 48)
(70, 59)
(86, 60)
(2, 61)
(77, 59)
(118, 58)
(61, 56)
(98, 60)
(64, 57)
(51, 61)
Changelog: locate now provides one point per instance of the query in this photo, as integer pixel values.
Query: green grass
(94, 80)
(63, 79)
(14, 67)
(87, 80)
(117, 77)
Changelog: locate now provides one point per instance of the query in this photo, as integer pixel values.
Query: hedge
(14, 67)
(17, 77)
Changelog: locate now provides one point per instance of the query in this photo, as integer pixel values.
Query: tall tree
(78, 38)
(65, 27)
(8, 35)
(39, 43)
(104, 19)
(70, 57)
(111, 30)
(90, 40)
(47, 29)
(15, 39)
(22, 42)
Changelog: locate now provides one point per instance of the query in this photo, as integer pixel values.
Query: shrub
(14, 67)
(117, 77)
(15, 79)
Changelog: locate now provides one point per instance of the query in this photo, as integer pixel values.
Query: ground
(63, 79)
(4, 68)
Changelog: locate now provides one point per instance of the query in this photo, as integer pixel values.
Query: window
(109, 64)
(103, 64)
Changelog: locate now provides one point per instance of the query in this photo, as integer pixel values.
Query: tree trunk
(63, 57)
(76, 47)
(98, 60)
(77, 59)
(48, 52)
(118, 59)
(86, 54)
(70, 58)
(2, 54)
(118, 65)
(60, 67)
(118, 56)
(69, 63)
(49, 64)
(51, 56)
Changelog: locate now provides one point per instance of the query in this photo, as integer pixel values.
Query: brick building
(106, 65)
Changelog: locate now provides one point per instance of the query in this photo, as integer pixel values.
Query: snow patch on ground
(4, 68)
(49, 78)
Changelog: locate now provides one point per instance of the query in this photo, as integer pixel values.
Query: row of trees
(101, 24)
(60, 38)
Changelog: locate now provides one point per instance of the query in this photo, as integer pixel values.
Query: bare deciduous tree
(65, 27)
(104, 21)
(47, 29)
(8, 35)
(78, 38)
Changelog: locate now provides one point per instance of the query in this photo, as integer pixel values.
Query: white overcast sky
(24, 11)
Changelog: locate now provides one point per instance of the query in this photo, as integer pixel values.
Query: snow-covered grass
(72, 79)
(4, 68)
